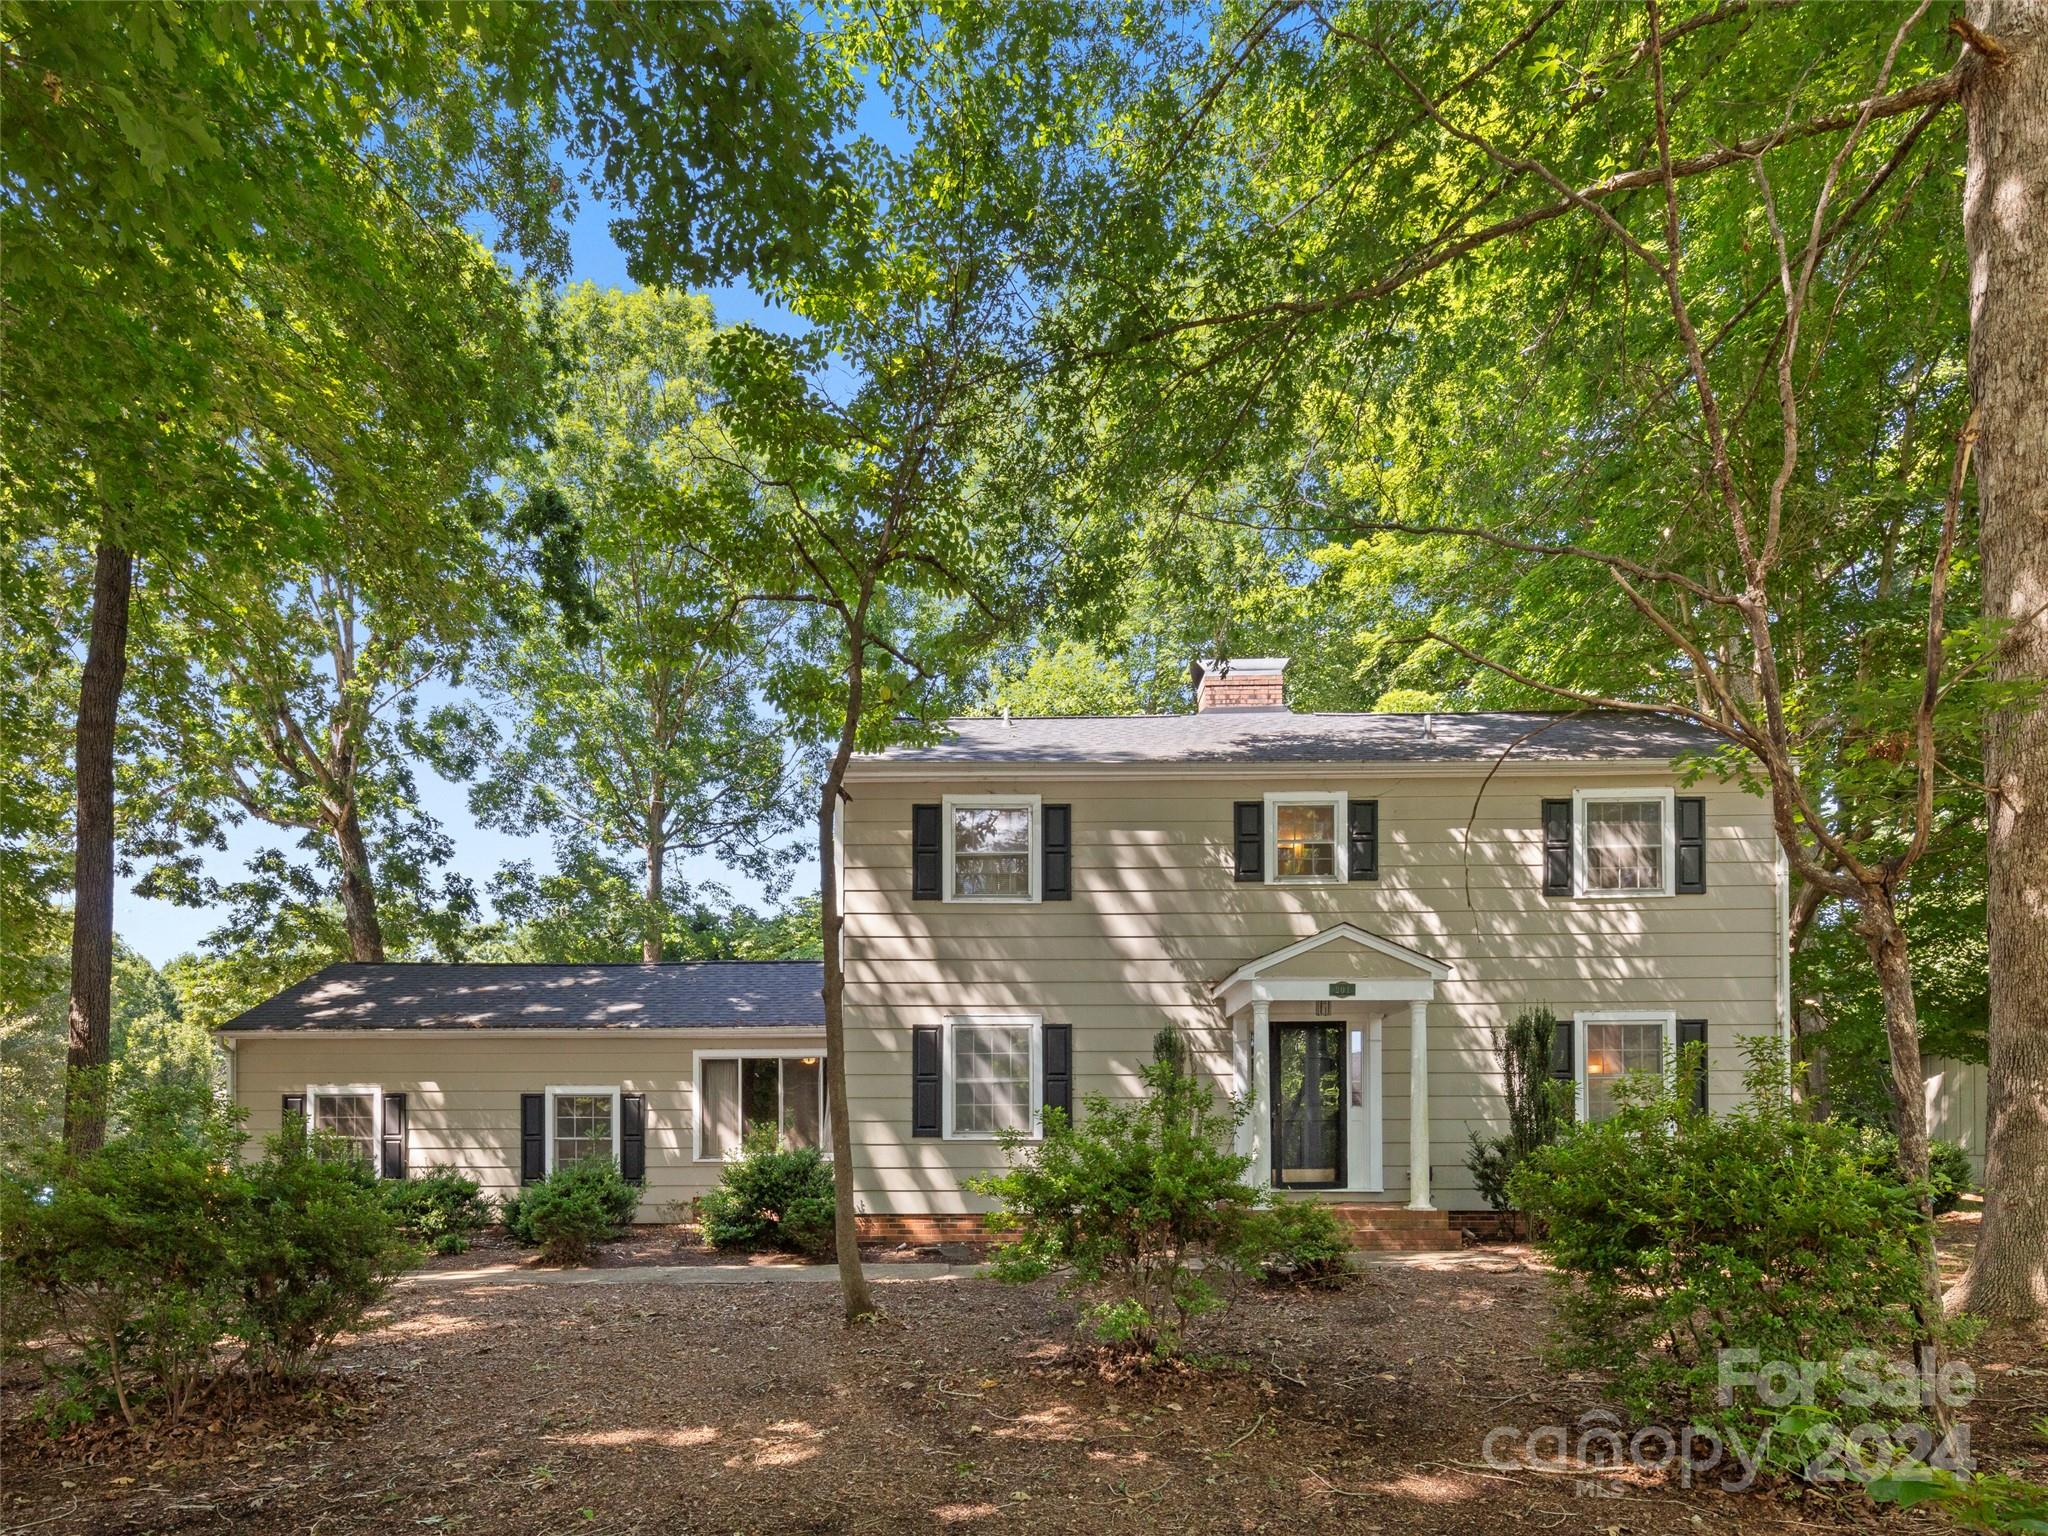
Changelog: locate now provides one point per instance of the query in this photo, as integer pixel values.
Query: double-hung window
(582, 1123)
(1307, 833)
(1625, 842)
(740, 1096)
(994, 1075)
(354, 1114)
(1613, 1044)
(992, 847)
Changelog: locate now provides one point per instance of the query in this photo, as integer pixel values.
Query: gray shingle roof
(1281, 736)
(713, 994)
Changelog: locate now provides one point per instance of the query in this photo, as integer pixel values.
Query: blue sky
(162, 930)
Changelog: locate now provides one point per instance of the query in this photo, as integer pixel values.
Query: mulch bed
(681, 1243)
(642, 1407)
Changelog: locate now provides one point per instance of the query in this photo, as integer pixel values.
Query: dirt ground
(638, 1407)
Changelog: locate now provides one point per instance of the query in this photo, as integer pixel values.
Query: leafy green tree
(1588, 322)
(262, 195)
(592, 909)
(641, 735)
(153, 1043)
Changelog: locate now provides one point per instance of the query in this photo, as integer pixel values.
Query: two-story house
(1336, 911)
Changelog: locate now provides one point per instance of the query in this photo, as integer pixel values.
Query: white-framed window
(582, 1122)
(992, 847)
(1627, 842)
(739, 1093)
(1614, 1043)
(1308, 838)
(994, 1075)
(352, 1111)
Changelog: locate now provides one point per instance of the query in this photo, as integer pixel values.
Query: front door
(1308, 1106)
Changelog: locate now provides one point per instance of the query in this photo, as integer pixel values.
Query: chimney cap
(1235, 666)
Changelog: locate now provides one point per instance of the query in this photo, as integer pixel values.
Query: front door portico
(1306, 1022)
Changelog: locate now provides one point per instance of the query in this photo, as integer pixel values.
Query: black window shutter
(1694, 1032)
(1692, 845)
(1056, 853)
(925, 855)
(1249, 823)
(1557, 847)
(294, 1123)
(394, 1136)
(1364, 862)
(1058, 1055)
(633, 1137)
(533, 1136)
(927, 1099)
(1563, 1063)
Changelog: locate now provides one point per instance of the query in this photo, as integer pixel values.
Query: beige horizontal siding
(462, 1093)
(1156, 917)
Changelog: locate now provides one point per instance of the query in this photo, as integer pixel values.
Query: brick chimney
(1244, 682)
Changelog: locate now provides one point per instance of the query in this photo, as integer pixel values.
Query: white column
(1260, 1174)
(1418, 1107)
(1241, 1074)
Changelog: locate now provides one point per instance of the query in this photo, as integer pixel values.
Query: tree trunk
(1886, 941)
(853, 1282)
(657, 854)
(358, 889)
(1809, 1023)
(2005, 227)
(92, 882)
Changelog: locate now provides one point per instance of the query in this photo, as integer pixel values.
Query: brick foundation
(954, 1227)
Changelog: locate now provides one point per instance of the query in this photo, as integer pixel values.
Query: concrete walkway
(1482, 1260)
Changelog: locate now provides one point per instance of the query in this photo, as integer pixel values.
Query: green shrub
(316, 1251)
(1948, 1166)
(1300, 1242)
(1948, 1170)
(438, 1210)
(1539, 1105)
(771, 1197)
(572, 1210)
(1678, 1235)
(1125, 1204)
(128, 1255)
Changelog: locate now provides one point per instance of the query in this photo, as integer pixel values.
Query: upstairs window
(992, 847)
(1625, 842)
(1306, 833)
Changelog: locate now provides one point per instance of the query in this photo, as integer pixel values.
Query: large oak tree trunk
(2005, 226)
(92, 921)
(358, 889)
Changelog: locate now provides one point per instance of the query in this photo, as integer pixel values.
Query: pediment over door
(1358, 963)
